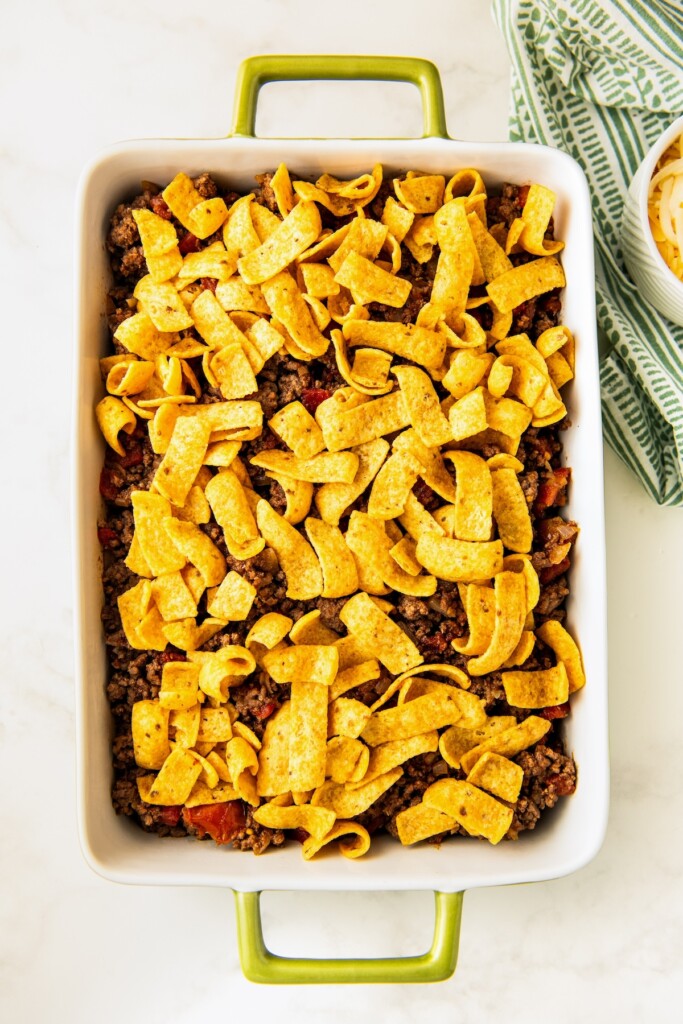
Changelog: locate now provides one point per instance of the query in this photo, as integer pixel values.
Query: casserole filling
(335, 564)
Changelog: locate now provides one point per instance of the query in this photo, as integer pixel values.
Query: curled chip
(509, 618)
(377, 569)
(159, 244)
(477, 812)
(113, 417)
(466, 371)
(420, 193)
(455, 265)
(468, 415)
(347, 803)
(364, 237)
(138, 334)
(511, 511)
(419, 344)
(149, 725)
(232, 511)
(337, 564)
(354, 675)
(525, 282)
(298, 496)
(508, 741)
(129, 378)
(242, 765)
(392, 485)
(173, 597)
(151, 513)
(200, 216)
(500, 776)
(325, 468)
(563, 644)
(459, 561)
(297, 558)
(353, 847)
(269, 630)
(299, 230)
(542, 689)
(433, 468)
(317, 821)
(379, 634)
(310, 630)
(421, 822)
(302, 663)
(528, 231)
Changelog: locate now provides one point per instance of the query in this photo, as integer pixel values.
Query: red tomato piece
(188, 243)
(555, 711)
(313, 397)
(220, 821)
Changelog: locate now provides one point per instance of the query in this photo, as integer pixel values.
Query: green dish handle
(260, 965)
(255, 72)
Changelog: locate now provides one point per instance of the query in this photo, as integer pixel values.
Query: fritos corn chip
(477, 812)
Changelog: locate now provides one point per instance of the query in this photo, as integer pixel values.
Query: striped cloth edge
(602, 81)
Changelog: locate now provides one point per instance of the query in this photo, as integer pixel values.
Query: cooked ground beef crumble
(549, 772)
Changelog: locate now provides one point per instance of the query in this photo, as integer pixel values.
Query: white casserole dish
(570, 835)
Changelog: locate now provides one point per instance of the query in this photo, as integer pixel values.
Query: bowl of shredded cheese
(652, 226)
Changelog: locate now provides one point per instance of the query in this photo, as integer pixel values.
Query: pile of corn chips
(423, 400)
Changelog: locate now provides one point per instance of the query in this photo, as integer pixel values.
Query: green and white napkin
(602, 80)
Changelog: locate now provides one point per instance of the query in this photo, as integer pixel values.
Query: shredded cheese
(665, 206)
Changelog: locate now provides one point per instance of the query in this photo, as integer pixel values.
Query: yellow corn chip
(420, 193)
(456, 741)
(174, 782)
(129, 378)
(473, 497)
(478, 813)
(332, 500)
(458, 560)
(508, 741)
(414, 717)
(347, 803)
(162, 304)
(183, 459)
(377, 632)
(310, 630)
(394, 753)
(337, 564)
(525, 282)
(308, 733)
(421, 822)
(467, 416)
(356, 846)
(422, 404)
(113, 417)
(179, 685)
(344, 755)
(419, 344)
(149, 726)
(369, 283)
(297, 428)
(315, 820)
(293, 235)
(232, 600)
(228, 500)
(466, 372)
(498, 775)
(529, 230)
(541, 689)
(298, 494)
(151, 513)
(392, 485)
(345, 427)
(172, 597)
(297, 558)
(327, 467)
(354, 676)
(563, 644)
(511, 511)
(347, 717)
(302, 663)
(287, 304)
(273, 773)
(510, 615)
(397, 219)
(184, 725)
(194, 544)
(269, 630)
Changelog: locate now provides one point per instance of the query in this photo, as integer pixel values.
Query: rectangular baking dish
(573, 833)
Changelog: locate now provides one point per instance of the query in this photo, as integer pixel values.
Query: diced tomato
(562, 784)
(555, 711)
(108, 486)
(552, 490)
(188, 243)
(313, 397)
(522, 195)
(301, 835)
(167, 656)
(132, 457)
(210, 283)
(170, 815)
(221, 821)
(106, 536)
(551, 572)
(265, 710)
(159, 206)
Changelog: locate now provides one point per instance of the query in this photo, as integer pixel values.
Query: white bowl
(654, 279)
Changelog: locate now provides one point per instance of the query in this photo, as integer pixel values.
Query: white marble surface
(74, 77)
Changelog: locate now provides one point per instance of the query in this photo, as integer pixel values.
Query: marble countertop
(608, 940)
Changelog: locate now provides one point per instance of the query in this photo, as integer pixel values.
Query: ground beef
(432, 623)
